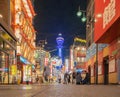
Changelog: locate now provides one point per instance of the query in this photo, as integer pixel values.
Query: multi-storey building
(107, 31)
(8, 41)
(103, 54)
(23, 14)
(42, 61)
(90, 23)
(78, 54)
(90, 45)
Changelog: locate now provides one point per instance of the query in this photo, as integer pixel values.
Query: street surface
(59, 90)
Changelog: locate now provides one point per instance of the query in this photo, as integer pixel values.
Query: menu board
(112, 65)
(99, 69)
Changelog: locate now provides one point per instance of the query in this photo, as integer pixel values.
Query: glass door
(4, 68)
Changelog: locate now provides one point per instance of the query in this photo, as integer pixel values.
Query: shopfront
(107, 31)
(7, 53)
(24, 71)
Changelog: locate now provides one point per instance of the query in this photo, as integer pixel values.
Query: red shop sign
(109, 11)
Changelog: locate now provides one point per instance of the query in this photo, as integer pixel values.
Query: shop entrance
(106, 67)
(94, 72)
(89, 72)
(4, 68)
(118, 69)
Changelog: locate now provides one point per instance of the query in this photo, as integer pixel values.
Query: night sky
(58, 16)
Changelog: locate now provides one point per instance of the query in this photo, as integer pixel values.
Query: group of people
(76, 78)
(82, 80)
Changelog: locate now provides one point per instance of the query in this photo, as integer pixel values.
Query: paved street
(60, 90)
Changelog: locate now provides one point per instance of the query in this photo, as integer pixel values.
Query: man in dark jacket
(86, 79)
(78, 78)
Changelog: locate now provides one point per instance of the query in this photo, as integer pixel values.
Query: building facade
(103, 54)
(107, 31)
(90, 23)
(42, 62)
(78, 54)
(8, 42)
(23, 14)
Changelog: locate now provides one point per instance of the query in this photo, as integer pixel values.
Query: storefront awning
(24, 60)
(79, 70)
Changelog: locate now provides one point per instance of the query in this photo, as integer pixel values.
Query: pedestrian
(37, 79)
(65, 78)
(59, 79)
(68, 78)
(14, 80)
(78, 78)
(0, 78)
(73, 77)
(4, 78)
(86, 80)
(62, 77)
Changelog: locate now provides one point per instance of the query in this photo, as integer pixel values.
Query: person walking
(68, 78)
(59, 78)
(65, 78)
(0, 78)
(73, 77)
(86, 80)
(37, 79)
(78, 78)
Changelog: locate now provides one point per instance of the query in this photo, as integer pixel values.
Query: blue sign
(25, 61)
(79, 70)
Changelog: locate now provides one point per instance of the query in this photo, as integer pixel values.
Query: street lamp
(81, 13)
(42, 43)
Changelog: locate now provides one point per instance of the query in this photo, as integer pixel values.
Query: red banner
(106, 13)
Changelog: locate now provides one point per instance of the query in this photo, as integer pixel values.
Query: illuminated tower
(60, 41)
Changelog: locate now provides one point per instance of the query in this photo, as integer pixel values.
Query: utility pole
(96, 64)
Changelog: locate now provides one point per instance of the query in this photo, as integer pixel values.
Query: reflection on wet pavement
(60, 91)
(27, 87)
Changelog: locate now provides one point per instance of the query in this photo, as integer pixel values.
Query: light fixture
(99, 15)
(1, 16)
(81, 13)
(45, 41)
(95, 20)
(83, 18)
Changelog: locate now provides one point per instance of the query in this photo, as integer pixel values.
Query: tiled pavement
(59, 90)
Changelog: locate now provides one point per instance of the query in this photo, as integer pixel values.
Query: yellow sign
(80, 40)
(105, 51)
(13, 69)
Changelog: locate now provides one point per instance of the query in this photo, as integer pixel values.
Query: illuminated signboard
(13, 69)
(25, 61)
(27, 73)
(3, 69)
(46, 61)
(106, 13)
(71, 58)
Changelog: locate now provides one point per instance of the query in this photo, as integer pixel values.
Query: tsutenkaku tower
(60, 41)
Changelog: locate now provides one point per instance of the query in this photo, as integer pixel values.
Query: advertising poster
(112, 65)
